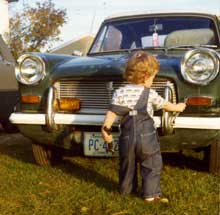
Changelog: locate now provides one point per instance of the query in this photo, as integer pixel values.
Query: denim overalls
(138, 142)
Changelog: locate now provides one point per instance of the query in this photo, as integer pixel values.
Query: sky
(85, 16)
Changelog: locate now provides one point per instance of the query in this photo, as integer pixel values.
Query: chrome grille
(97, 94)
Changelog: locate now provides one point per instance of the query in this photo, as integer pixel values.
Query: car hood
(108, 66)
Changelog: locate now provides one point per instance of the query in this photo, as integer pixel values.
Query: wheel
(8, 127)
(214, 160)
(47, 155)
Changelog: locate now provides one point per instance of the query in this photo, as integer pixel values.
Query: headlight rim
(36, 58)
(215, 57)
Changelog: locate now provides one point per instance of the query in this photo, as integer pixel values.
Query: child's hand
(106, 136)
(180, 107)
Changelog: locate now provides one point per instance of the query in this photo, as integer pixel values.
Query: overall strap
(141, 105)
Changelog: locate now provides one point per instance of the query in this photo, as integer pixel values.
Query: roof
(81, 43)
(149, 12)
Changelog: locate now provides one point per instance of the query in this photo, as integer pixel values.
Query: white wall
(4, 17)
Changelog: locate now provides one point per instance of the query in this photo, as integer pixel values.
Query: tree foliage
(35, 28)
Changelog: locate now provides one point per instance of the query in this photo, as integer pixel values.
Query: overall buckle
(133, 113)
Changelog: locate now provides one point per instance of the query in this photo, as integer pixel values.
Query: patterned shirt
(129, 94)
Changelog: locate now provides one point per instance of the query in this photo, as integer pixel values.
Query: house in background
(4, 20)
(81, 44)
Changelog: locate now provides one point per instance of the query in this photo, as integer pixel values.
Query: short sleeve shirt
(128, 96)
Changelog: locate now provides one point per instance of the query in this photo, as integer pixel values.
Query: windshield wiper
(129, 50)
(144, 48)
(191, 46)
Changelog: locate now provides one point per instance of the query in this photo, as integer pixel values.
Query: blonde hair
(140, 66)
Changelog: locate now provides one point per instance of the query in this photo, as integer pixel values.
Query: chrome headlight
(200, 66)
(30, 69)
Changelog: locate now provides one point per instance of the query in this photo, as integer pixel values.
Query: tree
(35, 28)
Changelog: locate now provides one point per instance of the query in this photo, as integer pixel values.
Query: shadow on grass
(16, 146)
(86, 173)
(185, 161)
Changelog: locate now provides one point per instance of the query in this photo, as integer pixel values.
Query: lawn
(84, 186)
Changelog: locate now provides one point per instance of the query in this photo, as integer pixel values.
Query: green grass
(82, 185)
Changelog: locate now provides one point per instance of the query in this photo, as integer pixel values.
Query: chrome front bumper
(167, 122)
(79, 119)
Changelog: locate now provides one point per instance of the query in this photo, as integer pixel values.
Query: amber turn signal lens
(69, 104)
(30, 99)
(199, 101)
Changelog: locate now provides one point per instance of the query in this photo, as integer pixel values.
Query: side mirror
(77, 53)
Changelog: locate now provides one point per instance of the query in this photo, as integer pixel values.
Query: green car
(64, 98)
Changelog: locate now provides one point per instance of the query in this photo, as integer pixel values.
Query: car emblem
(109, 86)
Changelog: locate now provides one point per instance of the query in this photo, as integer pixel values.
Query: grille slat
(96, 94)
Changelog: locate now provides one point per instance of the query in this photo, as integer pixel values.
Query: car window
(154, 31)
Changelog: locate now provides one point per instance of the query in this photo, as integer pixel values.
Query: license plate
(94, 145)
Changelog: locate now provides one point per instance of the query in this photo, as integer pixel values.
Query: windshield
(155, 32)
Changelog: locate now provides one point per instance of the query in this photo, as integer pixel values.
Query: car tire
(47, 155)
(214, 159)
